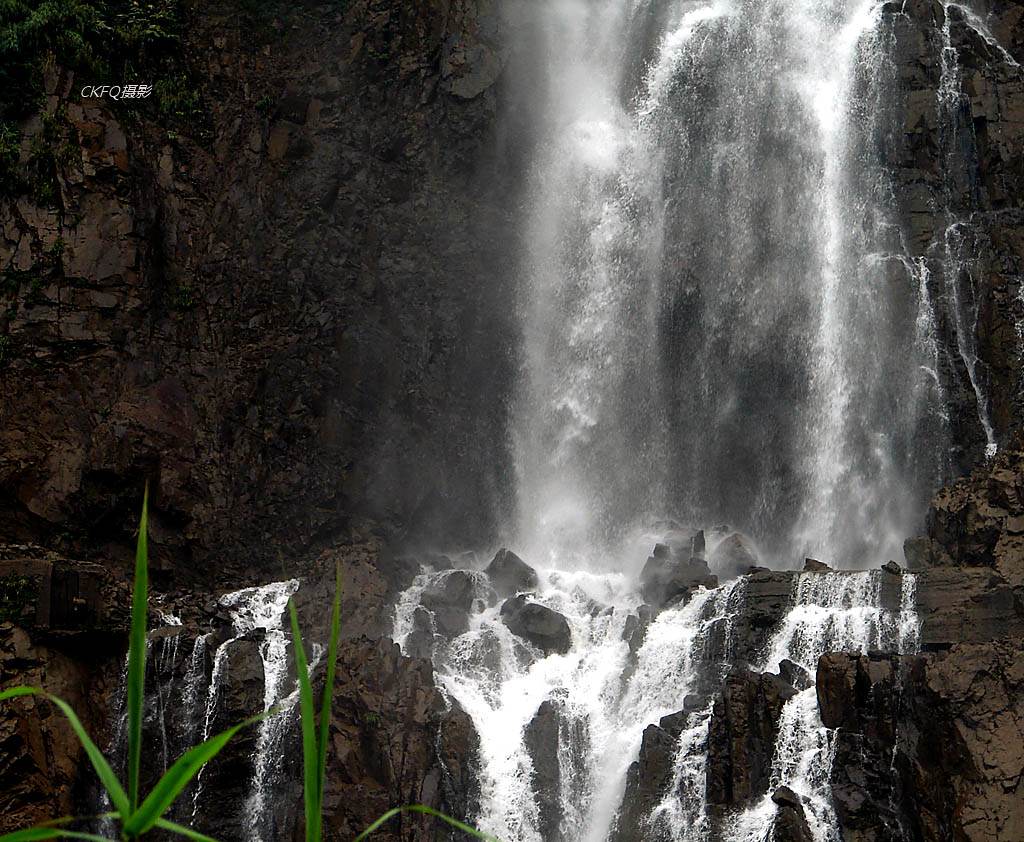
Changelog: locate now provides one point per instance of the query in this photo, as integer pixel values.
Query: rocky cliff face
(958, 162)
(269, 320)
(297, 326)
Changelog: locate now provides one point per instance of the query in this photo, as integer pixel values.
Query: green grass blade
(181, 830)
(137, 660)
(325, 708)
(43, 832)
(99, 762)
(309, 755)
(430, 811)
(177, 777)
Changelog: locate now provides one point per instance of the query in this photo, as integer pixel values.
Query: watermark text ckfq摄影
(116, 92)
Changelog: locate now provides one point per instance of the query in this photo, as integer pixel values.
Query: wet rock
(733, 557)
(647, 781)
(766, 598)
(634, 629)
(794, 674)
(541, 739)
(510, 575)
(664, 580)
(392, 731)
(966, 605)
(812, 565)
(785, 797)
(420, 642)
(916, 738)
(893, 568)
(546, 629)
(741, 736)
(684, 544)
(240, 696)
(790, 823)
(450, 600)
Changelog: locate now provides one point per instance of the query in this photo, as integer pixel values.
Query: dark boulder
(767, 596)
(510, 575)
(812, 565)
(450, 599)
(455, 588)
(733, 557)
(685, 543)
(794, 674)
(790, 823)
(664, 581)
(546, 629)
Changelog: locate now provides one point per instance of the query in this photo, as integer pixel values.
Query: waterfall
(722, 323)
(184, 692)
(261, 608)
(605, 690)
(712, 326)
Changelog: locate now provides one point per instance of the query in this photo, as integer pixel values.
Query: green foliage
(314, 739)
(105, 42)
(10, 152)
(136, 819)
(178, 101)
(16, 592)
(185, 297)
(430, 811)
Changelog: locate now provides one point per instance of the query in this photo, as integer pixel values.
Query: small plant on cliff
(16, 592)
(314, 735)
(136, 818)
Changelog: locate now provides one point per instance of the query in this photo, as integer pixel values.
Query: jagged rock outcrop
(734, 556)
(450, 600)
(395, 741)
(741, 736)
(790, 824)
(666, 578)
(957, 158)
(41, 761)
(929, 747)
(509, 574)
(647, 781)
(978, 521)
(542, 743)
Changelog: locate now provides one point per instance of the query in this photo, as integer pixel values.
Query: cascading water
(711, 330)
(184, 694)
(956, 246)
(604, 691)
(722, 322)
(261, 608)
(832, 612)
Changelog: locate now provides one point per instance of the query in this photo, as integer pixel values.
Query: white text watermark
(116, 92)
